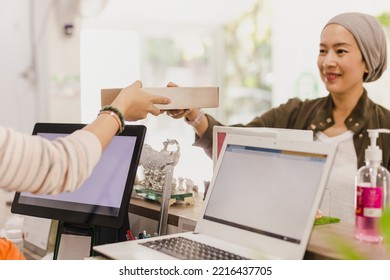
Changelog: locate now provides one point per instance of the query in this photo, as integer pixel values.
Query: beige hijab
(371, 39)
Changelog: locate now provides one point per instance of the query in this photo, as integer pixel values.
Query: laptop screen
(271, 181)
(220, 133)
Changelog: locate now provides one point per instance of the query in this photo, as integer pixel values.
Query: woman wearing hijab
(352, 52)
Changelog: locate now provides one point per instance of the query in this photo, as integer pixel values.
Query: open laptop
(261, 203)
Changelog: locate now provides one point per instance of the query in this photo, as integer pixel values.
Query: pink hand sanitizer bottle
(372, 192)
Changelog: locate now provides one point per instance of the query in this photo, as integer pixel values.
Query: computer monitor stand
(167, 191)
(75, 242)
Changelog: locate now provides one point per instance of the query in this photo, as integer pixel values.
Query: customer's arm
(34, 164)
(133, 103)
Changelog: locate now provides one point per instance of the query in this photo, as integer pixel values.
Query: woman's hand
(183, 113)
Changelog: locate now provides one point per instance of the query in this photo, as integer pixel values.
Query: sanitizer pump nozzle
(373, 152)
(372, 191)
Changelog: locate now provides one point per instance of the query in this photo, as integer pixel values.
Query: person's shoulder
(382, 109)
(379, 108)
(383, 113)
(380, 113)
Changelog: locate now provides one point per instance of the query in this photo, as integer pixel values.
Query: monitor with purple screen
(103, 198)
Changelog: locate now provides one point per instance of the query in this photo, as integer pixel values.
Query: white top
(339, 196)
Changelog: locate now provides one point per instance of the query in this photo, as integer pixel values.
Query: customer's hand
(135, 104)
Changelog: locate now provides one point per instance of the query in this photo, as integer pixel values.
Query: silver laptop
(261, 203)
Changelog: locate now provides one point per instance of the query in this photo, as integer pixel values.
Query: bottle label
(369, 202)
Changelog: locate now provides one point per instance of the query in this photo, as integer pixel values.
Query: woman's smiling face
(340, 61)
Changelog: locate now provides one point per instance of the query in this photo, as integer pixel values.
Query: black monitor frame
(47, 209)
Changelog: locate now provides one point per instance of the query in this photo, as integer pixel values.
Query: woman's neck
(343, 106)
(345, 103)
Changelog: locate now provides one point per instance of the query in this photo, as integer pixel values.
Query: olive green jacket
(316, 115)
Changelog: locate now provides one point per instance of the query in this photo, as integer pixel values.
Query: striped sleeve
(35, 164)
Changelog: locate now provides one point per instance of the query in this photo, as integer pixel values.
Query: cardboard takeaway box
(181, 97)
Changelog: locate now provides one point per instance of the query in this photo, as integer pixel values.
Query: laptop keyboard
(186, 249)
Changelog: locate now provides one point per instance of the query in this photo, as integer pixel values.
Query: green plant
(248, 48)
(384, 19)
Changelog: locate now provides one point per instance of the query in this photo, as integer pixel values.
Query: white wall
(101, 67)
(34, 53)
(18, 98)
(63, 62)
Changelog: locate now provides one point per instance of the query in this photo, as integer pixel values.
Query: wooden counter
(336, 241)
(151, 209)
(326, 242)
